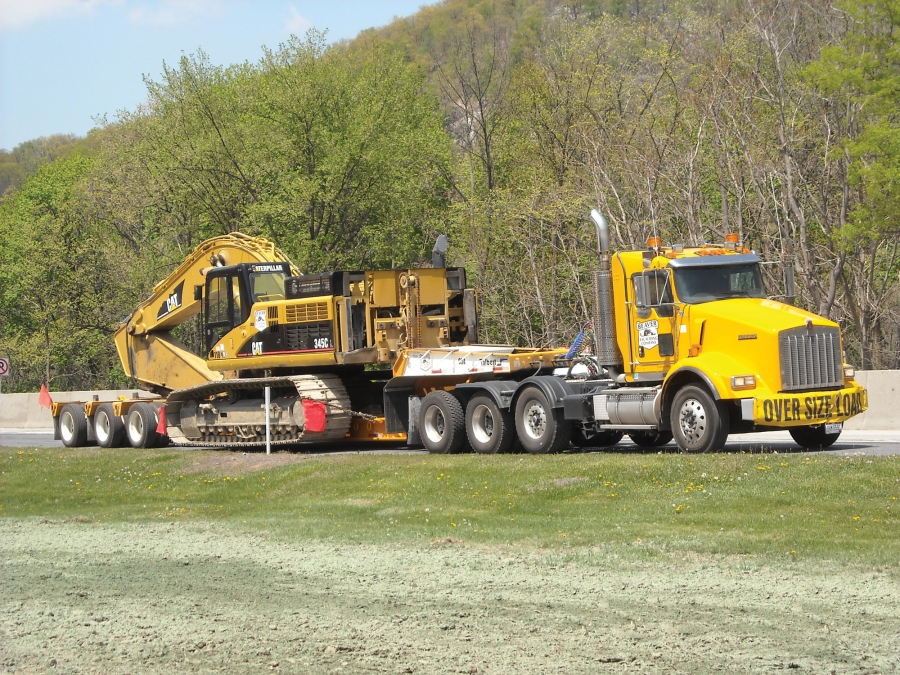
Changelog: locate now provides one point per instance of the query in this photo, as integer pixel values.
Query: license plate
(834, 428)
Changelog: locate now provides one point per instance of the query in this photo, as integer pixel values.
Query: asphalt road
(850, 443)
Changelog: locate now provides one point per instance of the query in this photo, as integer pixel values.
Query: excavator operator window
(222, 306)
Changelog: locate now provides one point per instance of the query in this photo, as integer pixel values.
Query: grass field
(637, 506)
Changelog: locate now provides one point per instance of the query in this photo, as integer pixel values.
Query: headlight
(849, 372)
(743, 382)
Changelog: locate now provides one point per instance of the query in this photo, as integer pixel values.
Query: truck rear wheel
(490, 429)
(141, 426)
(650, 439)
(813, 437)
(541, 429)
(109, 429)
(699, 422)
(73, 426)
(442, 423)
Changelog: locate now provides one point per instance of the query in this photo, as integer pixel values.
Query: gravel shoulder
(88, 598)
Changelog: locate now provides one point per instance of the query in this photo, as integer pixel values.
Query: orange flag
(161, 427)
(44, 399)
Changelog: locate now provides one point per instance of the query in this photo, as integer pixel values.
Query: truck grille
(810, 361)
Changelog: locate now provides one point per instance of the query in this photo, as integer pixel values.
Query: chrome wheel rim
(693, 421)
(535, 420)
(482, 424)
(102, 427)
(67, 427)
(135, 427)
(435, 424)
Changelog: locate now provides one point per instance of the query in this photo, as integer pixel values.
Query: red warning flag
(161, 427)
(44, 399)
(314, 411)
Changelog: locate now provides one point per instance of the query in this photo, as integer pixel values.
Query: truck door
(652, 325)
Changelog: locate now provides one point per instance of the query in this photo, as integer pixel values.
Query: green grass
(802, 505)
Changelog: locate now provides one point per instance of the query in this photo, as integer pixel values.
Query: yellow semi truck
(686, 345)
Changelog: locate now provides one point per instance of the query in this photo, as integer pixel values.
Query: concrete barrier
(883, 414)
(22, 411)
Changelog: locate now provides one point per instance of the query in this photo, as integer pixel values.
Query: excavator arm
(148, 351)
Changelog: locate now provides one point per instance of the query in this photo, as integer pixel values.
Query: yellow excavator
(322, 344)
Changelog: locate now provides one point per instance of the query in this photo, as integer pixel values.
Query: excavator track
(326, 389)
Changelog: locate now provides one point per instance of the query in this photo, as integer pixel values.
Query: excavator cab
(232, 291)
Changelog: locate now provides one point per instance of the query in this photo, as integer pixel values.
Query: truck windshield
(704, 284)
(267, 285)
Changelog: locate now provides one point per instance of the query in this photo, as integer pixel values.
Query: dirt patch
(78, 598)
(232, 463)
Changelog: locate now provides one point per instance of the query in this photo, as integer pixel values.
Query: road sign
(4, 366)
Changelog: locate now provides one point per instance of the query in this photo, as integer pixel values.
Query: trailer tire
(140, 426)
(73, 426)
(109, 429)
(599, 439)
(813, 437)
(650, 439)
(541, 428)
(442, 423)
(699, 422)
(490, 430)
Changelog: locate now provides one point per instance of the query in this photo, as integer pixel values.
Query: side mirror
(789, 289)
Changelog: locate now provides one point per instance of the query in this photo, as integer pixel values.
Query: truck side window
(660, 286)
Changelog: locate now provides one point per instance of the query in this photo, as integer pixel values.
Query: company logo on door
(648, 333)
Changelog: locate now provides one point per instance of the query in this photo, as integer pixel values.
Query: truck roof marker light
(732, 238)
(654, 242)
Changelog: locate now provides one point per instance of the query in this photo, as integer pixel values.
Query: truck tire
(140, 426)
(442, 423)
(650, 439)
(490, 430)
(541, 429)
(73, 426)
(598, 439)
(813, 437)
(109, 429)
(699, 422)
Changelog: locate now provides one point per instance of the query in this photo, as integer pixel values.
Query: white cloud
(19, 13)
(174, 12)
(297, 24)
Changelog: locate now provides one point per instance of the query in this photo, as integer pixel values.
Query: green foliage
(60, 283)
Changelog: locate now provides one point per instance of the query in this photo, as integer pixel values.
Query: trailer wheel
(442, 423)
(597, 439)
(541, 428)
(108, 427)
(73, 426)
(699, 422)
(813, 437)
(141, 426)
(650, 439)
(490, 430)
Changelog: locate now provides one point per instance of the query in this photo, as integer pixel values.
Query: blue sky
(64, 62)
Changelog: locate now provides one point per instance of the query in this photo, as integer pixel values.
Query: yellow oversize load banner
(788, 410)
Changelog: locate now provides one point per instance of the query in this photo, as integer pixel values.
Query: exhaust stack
(608, 354)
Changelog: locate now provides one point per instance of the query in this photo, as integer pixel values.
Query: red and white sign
(4, 366)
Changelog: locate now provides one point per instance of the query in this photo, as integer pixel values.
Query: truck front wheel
(490, 429)
(442, 424)
(541, 428)
(699, 422)
(813, 437)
